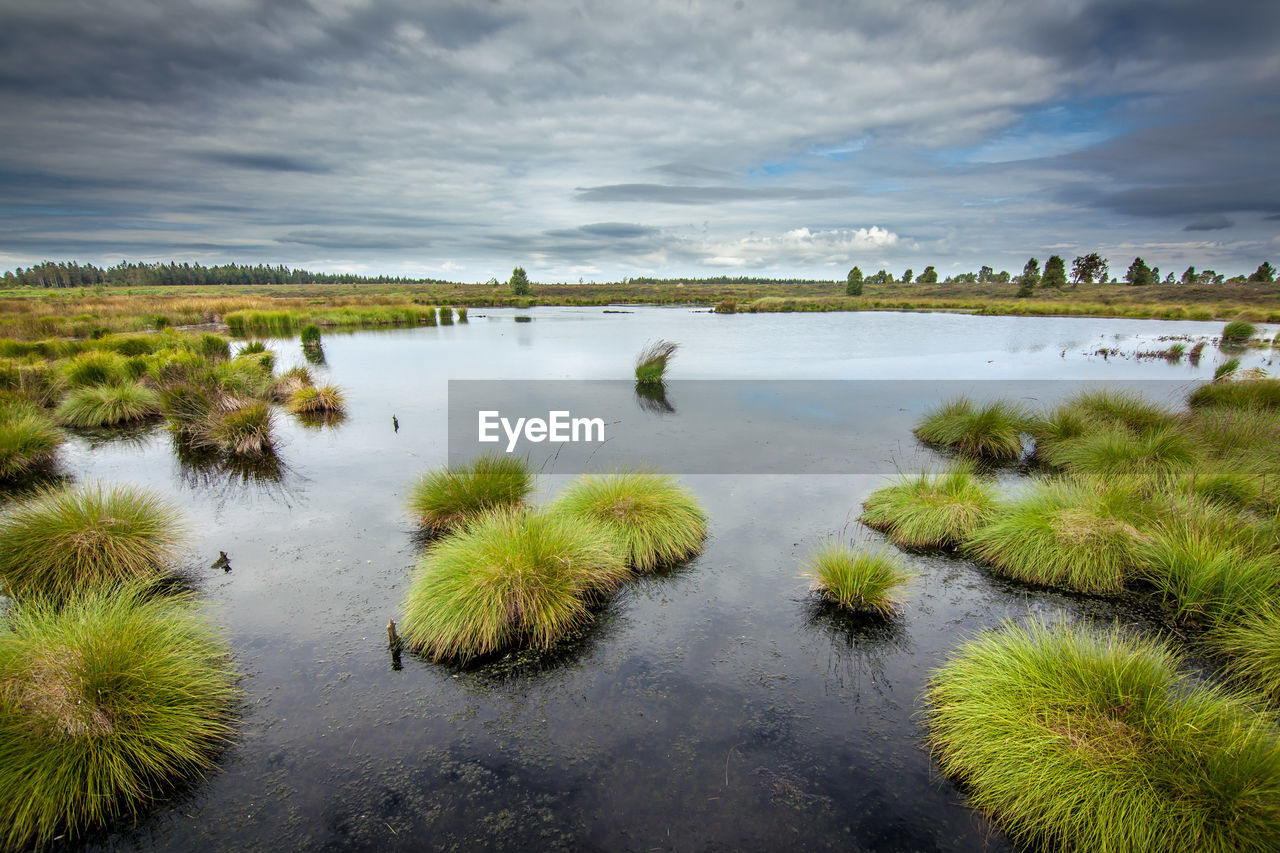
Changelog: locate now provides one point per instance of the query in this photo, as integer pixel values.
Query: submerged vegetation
(105, 703)
(856, 580)
(510, 576)
(66, 540)
(447, 497)
(658, 521)
(1089, 740)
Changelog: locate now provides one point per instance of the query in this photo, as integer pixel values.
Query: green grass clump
(1075, 739)
(317, 400)
(95, 368)
(1226, 369)
(1108, 407)
(1251, 647)
(658, 520)
(509, 577)
(447, 497)
(856, 580)
(214, 347)
(928, 511)
(28, 440)
(1238, 332)
(1257, 394)
(1064, 535)
(992, 431)
(462, 314)
(290, 382)
(1118, 452)
(66, 540)
(241, 428)
(446, 315)
(651, 363)
(310, 336)
(108, 405)
(104, 704)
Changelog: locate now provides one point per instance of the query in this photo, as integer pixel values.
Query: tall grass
(29, 440)
(1238, 332)
(1257, 394)
(447, 497)
(1111, 407)
(992, 431)
(317, 400)
(95, 368)
(856, 580)
(658, 521)
(1090, 740)
(104, 704)
(509, 577)
(66, 540)
(1117, 452)
(446, 315)
(651, 363)
(242, 428)
(1064, 535)
(1251, 647)
(108, 405)
(931, 511)
(310, 335)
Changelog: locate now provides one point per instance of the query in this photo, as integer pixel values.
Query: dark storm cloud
(669, 194)
(1209, 223)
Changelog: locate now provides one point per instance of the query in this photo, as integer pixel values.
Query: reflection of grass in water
(651, 397)
(209, 469)
(860, 643)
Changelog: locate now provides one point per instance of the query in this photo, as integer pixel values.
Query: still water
(708, 708)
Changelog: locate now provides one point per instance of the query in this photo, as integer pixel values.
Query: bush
(509, 577)
(931, 511)
(1087, 740)
(108, 405)
(651, 363)
(856, 580)
(658, 521)
(66, 540)
(104, 705)
(1238, 332)
(28, 440)
(993, 431)
(1064, 535)
(447, 497)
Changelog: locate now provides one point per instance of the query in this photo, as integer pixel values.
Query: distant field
(79, 312)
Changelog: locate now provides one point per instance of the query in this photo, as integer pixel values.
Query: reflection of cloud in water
(860, 644)
(651, 397)
(228, 475)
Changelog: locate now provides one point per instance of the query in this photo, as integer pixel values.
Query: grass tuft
(658, 520)
(651, 363)
(992, 431)
(931, 511)
(1238, 332)
(1089, 740)
(317, 400)
(1256, 394)
(66, 540)
(1252, 650)
(108, 405)
(509, 578)
(1116, 452)
(856, 580)
(28, 440)
(447, 497)
(104, 704)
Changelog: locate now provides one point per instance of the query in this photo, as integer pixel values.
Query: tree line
(1085, 269)
(141, 274)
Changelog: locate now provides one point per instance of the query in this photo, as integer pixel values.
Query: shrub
(28, 440)
(446, 497)
(931, 511)
(322, 400)
(993, 431)
(108, 405)
(310, 335)
(1238, 332)
(658, 521)
(1089, 740)
(1064, 535)
(66, 540)
(651, 363)
(509, 577)
(104, 705)
(856, 580)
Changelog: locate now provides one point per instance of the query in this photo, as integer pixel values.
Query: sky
(602, 140)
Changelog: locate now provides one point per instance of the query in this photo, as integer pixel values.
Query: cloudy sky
(604, 139)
